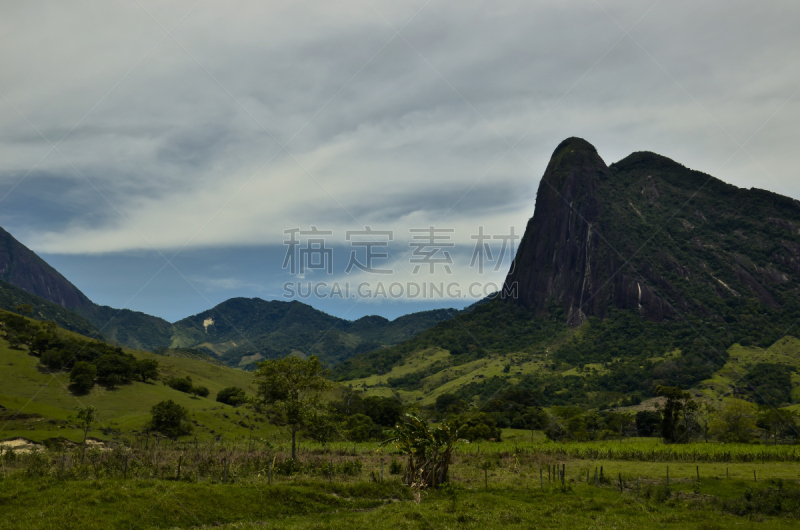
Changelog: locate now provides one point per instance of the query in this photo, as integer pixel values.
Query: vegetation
(170, 419)
(232, 395)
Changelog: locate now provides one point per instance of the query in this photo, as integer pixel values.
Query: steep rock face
(22, 267)
(559, 258)
(650, 235)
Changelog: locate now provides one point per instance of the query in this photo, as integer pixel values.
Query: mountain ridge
(245, 329)
(628, 276)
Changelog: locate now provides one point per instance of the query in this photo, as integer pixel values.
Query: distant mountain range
(628, 276)
(239, 331)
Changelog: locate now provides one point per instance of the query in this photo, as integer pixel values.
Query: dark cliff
(650, 235)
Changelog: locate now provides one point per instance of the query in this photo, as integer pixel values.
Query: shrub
(182, 384)
(170, 418)
(233, 395)
(200, 391)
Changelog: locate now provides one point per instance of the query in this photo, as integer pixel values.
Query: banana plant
(428, 450)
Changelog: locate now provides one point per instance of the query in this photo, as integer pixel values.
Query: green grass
(49, 504)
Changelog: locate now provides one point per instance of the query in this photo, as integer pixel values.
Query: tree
(383, 411)
(674, 425)
(169, 418)
(52, 359)
(735, 422)
(647, 422)
(233, 395)
(291, 388)
(24, 309)
(361, 428)
(444, 401)
(86, 417)
(779, 423)
(82, 376)
(146, 369)
(114, 369)
(474, 427)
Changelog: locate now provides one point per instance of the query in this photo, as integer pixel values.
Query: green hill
(241, 331)
(37, 404)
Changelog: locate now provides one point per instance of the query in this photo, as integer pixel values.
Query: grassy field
(225, 485)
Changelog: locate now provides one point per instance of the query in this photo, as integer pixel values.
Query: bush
(170, 418)
(395, 467)
(182, 384)
(233, 395)
(200, 391)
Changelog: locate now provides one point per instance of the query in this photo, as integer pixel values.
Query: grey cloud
(432, 114)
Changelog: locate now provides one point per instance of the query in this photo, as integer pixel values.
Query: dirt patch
(19, 445)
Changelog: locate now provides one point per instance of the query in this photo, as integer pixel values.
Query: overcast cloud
(253, 117)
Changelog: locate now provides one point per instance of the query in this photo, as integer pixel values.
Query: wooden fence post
(620, 483)
(698, 473)
(486, 478)
(180, 460)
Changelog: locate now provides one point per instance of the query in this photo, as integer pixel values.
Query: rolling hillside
(37, 404)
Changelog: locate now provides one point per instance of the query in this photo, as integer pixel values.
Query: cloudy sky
(155, 152)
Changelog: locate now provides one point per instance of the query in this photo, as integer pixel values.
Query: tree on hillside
(291, 389)
(114, 369)
(674, 414)
(735, 422)
(169, 418)
(82, 376)
(146, 369)
(86, 417)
